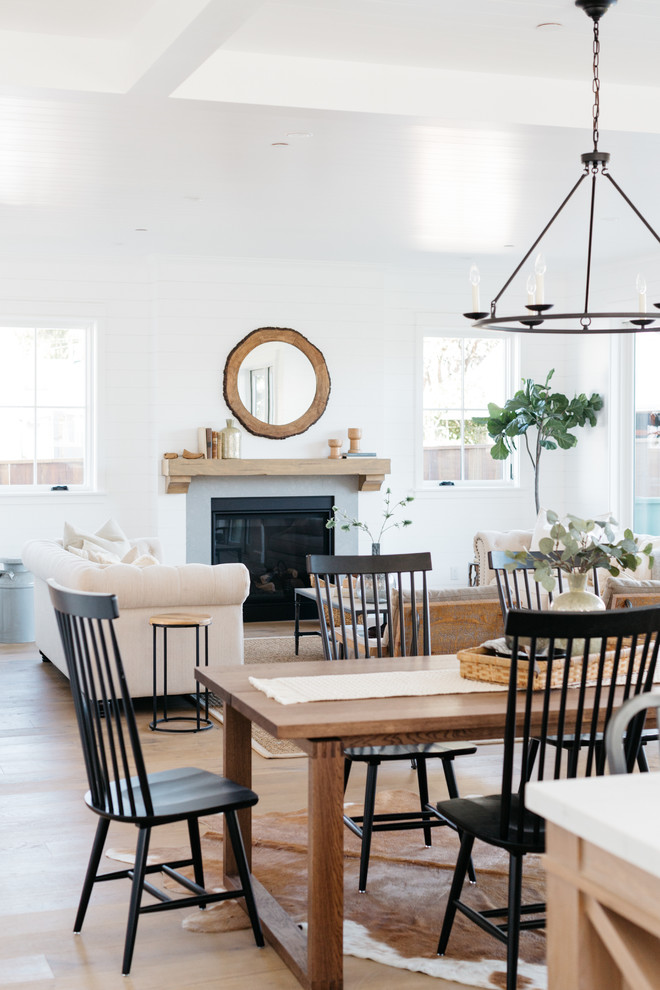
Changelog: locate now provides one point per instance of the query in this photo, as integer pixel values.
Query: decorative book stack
(209, 442)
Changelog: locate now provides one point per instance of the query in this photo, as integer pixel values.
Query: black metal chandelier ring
(595, 163)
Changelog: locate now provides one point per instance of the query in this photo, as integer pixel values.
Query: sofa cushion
(109, 538)
(617, 589)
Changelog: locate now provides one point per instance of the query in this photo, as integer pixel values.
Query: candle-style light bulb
(531, 288)
(475, 278)
(640, 285)
(539, 268)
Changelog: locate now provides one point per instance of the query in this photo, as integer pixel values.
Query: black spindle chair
(517, 589)
(369, 598)
(120, 789)
(578, 709)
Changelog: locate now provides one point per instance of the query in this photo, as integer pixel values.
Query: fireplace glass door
(272, 537)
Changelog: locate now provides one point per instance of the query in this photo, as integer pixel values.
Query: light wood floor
(46, 834)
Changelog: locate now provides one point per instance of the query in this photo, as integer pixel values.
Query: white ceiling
(367, 130)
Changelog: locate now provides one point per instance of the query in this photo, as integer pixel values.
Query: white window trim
(89, 487)
(447, 325)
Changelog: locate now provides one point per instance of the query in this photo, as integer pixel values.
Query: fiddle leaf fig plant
(550, 414)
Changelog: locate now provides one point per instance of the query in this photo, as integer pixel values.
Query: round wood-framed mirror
(276, 383)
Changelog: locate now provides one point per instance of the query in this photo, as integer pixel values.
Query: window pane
(647, 435)
(16, 447)
(17, 351)
(443, 362)
(461, 376)
(43, 406)
(479, 465)
(485, 372)
(60, 367)
(60, 446)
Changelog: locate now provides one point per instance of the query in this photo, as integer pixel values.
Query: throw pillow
(98, 555)
(138, 558)
(628, 586)
(109, 538)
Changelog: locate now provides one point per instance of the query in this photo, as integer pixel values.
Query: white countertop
(619, 813)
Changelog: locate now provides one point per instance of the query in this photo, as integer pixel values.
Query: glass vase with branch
(341, 519)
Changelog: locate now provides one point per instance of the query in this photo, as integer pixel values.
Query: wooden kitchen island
(603, 876)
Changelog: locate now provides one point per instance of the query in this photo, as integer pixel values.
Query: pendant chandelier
(539, 317)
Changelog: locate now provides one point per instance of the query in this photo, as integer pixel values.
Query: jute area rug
(397, 921)
(273, 649)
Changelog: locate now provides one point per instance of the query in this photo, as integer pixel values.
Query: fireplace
(272, 537)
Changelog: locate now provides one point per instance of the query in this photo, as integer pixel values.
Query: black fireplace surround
(272, 537)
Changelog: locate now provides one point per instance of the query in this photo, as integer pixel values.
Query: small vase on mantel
(231, 440)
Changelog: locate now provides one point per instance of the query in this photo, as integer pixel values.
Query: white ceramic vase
(578, 599)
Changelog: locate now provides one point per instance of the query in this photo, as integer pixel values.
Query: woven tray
(481, 664)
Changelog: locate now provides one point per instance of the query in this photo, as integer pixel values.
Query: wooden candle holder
(354, 436)
(335, 449)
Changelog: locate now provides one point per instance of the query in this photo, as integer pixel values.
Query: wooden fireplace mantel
(369, 471)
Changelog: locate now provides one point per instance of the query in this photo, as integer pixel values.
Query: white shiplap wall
(165, 330)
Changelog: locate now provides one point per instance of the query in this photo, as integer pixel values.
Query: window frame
(445, 326)
(88, 326)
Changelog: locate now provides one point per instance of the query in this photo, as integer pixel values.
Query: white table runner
(382, 684)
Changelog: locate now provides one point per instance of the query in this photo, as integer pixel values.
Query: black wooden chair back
(565, 695)
(365, 594)
(516, 586)
(120, 789)
(365, 608)
(104, 709)
(594, 661)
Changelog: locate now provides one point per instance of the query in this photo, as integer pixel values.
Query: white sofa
(218, 590)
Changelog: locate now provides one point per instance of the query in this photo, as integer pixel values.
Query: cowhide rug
(397, 921)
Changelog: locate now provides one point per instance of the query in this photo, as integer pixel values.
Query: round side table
(180, 620)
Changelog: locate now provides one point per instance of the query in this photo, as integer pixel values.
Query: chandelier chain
(596, 85)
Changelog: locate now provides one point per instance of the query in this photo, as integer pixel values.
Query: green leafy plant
(576, 545)
(341, 519)
(551, 414)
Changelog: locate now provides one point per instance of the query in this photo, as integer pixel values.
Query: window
(647, 434)
(45, 408)
(461, 376)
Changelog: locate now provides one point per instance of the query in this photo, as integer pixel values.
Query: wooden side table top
(173, 619)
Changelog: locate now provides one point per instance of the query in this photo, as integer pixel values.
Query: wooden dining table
(322, 729)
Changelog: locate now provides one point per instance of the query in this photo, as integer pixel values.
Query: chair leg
(141, 853)
(347, 772)
(531, 756)
(196, 851)
(423, 787)
(467, 841)
(92, 868)
(642, 762)
(238, 847)
(452, 790)
(367, 824)
(513, 926)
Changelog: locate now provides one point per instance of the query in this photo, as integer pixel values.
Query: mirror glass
(276, 382)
